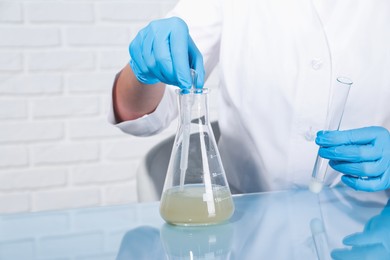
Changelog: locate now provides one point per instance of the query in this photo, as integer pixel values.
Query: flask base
(192, 205)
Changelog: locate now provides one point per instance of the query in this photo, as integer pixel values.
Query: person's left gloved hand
(362, 155)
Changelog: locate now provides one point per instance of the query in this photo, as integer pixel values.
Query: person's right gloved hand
(164, 52)
(362, 155)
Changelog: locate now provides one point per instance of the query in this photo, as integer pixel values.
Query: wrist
(133, 99)
(140, 76)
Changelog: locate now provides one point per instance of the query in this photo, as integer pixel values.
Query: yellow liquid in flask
(192, 205)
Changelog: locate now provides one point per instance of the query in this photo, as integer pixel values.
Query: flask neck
(193, 107)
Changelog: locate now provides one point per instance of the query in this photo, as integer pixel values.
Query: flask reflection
(211, 242)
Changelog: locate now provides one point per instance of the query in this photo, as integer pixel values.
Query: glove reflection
(141, 243)
(372, 243)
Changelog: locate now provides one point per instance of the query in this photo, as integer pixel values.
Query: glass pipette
(186, 106)
(333, 120)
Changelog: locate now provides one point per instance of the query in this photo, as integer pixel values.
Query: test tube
(333, 120)
(318, 233)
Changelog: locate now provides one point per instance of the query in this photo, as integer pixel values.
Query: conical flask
(196, 191)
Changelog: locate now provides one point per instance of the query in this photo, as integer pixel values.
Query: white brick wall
(23, 85)
(65, 106)
(25, 131)
(10, 12)
(13, 109)
(62, 60)
(57, 63)
(32, 179)
(34, 36)
(57, 11)
(13, 155)
(11, 61)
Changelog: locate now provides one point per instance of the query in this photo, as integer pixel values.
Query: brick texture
(102, 173)
(13, 155)
(32, 179)
(98, 36)
(10, 12)
(61, 60)
(30, 84)
(15, 202)
(90, 82)
(58, 11)
(127, 11)
(58, 153)
(65, 106)
(13, 109)
(58, 60)
(10, 61)
(16, 36)
(66, 198)
(24, 131)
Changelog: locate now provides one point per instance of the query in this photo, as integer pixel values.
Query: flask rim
(180, 91)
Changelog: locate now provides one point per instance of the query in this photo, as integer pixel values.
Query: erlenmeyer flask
(195, 190)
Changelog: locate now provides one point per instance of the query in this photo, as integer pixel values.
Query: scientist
(278, 61)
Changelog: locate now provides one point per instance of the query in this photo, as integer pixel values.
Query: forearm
(132, 99)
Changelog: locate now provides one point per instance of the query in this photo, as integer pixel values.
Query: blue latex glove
(164, 52)
(372, 243)
(363, 155)
(141, 243)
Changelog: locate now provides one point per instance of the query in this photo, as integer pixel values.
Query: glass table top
(336, 224)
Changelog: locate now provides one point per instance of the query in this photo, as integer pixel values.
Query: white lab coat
(278, 60)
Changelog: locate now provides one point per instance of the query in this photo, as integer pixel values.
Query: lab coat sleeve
(152, 123)
(204, 22)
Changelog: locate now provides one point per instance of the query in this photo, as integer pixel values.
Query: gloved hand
(363, 155)
(372, 243)
(141, 243)
(164, 52)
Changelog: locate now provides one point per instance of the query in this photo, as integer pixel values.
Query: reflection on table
(338, 223)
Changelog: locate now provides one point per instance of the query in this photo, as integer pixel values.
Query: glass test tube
(318, 233)
(333, 120)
